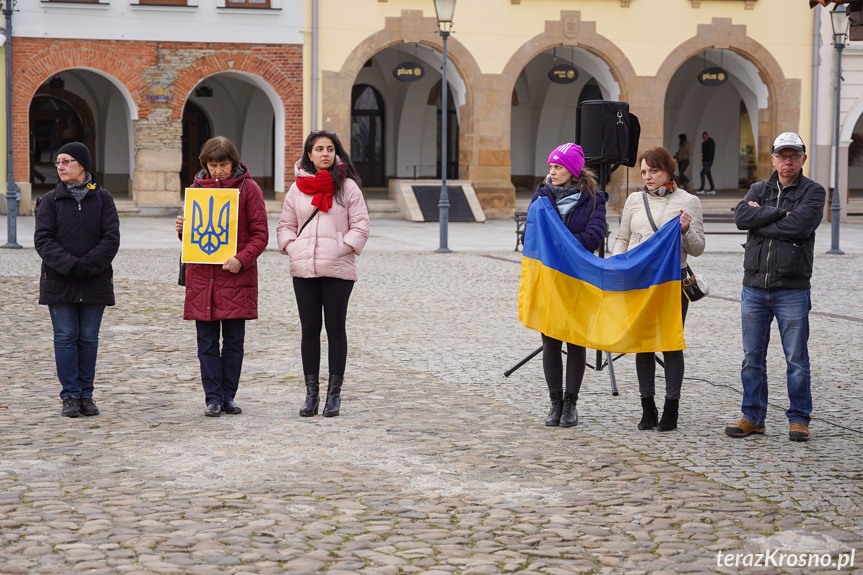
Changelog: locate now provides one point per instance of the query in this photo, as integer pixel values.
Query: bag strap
(314, 213)
(647, 209)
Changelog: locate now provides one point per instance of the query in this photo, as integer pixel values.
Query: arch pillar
(483, 134)
(571, 30)
(782, 113)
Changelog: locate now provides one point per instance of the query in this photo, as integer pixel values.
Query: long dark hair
(342, 169)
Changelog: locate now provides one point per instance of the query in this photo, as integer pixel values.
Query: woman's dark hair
(661, 159)
(341, 169)
(219, 149)
(586, 182)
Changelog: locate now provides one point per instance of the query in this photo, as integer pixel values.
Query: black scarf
(560, 192)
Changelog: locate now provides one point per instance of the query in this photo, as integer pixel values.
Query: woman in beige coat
(666, 201)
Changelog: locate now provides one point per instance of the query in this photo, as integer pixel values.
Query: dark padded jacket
(68, 231)
(586, 219)
(779, 247)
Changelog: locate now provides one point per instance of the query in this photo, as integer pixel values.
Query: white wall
(125, 20)
(243, 113)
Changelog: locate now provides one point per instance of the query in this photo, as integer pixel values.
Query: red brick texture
(177, 66)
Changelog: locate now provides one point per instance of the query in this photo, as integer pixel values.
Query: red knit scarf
(321, 185)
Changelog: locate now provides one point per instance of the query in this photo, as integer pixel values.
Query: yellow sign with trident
(210, 225)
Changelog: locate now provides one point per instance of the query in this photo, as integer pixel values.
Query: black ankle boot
(649, 413)
(556, 408)
(334, 396)
(569, 415)
(669, 415)
(313, 397)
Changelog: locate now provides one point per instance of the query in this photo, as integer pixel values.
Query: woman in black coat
(77, 236)
(571, 189)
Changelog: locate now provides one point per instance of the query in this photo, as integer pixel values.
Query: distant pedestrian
(220, 298)
(572, 190)
(323, 228)
(780, 216)
(77, 236)
(708, 152)
(665, 201)
(683, 156)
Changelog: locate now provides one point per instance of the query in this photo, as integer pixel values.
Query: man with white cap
(780, 216)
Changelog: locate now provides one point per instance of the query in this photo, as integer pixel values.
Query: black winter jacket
(779, 247)
(68, 231)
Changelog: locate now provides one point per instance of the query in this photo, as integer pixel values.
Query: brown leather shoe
(798, 432)
(743, 428)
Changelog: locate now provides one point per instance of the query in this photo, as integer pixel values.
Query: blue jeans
(76, 340)
(220, 370)
(791, 308)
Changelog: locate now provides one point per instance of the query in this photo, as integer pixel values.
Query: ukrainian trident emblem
(209, 236)
(210, 225)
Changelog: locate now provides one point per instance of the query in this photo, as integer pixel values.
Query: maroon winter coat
(213, 293)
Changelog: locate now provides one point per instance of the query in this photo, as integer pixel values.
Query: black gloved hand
(80, 271)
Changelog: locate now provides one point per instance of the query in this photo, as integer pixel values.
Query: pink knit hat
(570, 156)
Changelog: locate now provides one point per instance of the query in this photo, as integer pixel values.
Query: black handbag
(694, 286)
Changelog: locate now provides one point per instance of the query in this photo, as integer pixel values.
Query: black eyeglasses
(64, 162)
(784, 157)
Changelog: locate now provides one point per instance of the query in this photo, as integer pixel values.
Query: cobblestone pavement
(438, 464)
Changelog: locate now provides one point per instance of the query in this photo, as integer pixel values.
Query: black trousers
(330, 296)
(645, 367)
(552, 365)
(220, 371)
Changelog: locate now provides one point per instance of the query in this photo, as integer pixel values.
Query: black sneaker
(88, 406)
(71, 407)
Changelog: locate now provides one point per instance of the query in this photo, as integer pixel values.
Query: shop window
(163, 3)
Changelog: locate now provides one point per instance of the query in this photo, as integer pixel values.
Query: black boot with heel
(649, 414)
(334, 396)
(569, 414)
(313, 396)
(669, 415)
(554, 413)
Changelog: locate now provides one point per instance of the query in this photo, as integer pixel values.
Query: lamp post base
(835, 251)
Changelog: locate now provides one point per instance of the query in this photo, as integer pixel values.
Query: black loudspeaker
(607, 132)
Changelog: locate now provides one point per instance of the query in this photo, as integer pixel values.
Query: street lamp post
(12, 193)
(444, 10)
(839, 20)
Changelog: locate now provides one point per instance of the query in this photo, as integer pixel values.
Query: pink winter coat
(213, 293)
(330, 243)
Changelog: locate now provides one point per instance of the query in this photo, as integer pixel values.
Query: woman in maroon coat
(223, 297)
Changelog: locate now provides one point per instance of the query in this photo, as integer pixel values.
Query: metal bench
(520, 220)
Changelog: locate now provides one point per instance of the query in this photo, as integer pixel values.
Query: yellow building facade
(506, 114)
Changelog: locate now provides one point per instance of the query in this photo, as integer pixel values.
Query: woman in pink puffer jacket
(323, 228)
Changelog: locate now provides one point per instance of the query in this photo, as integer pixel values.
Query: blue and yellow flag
(210, 225)
(625, 304)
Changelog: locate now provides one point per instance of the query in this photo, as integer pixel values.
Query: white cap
(788, 140)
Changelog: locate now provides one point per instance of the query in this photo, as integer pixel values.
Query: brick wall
(148, 68)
